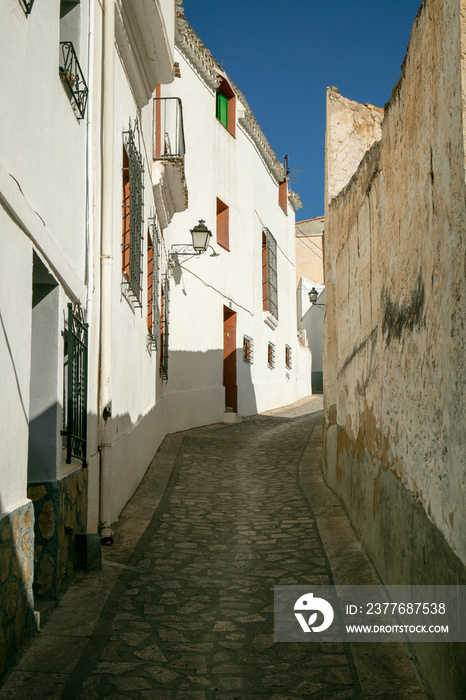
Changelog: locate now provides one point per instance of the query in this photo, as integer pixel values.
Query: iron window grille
(269, 273)
(153, 280)
(288, 354)
(271, 355)
(133, 203)
(75, 385)
(248, 349)
(73, 79)
(27, 5)
(164, 326)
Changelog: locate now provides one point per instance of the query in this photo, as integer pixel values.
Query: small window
(271, 355)
(269, 273)
(226, 106)
(222, 109)
(223, 225)
(287, 357)
(283, 195)
(248, 347)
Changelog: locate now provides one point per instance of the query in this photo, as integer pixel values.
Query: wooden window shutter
(223, 225)
(283, 195)
(222, 109)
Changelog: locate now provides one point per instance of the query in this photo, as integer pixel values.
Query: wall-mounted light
(313, 296)
(201, 236)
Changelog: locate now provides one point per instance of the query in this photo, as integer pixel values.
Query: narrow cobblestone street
(184, 606)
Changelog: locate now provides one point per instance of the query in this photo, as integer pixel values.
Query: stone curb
(385, 670)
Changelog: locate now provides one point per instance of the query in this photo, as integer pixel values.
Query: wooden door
(229, 359)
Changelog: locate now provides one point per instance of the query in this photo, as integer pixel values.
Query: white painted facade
(61, 218)
(44, 236)
(244, 173)
(144, 406)
(124, 370)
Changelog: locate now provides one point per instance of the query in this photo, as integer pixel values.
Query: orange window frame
(223, 224)
(283, 195)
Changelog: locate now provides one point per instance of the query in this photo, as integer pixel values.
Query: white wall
(36, 113)
(43, 198)
(219, 165)
(15, 352)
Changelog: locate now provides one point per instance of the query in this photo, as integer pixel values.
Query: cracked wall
(395, 348)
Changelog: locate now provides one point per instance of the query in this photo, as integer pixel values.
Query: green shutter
(222, 109)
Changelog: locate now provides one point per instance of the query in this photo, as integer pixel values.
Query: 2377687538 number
(405, 608)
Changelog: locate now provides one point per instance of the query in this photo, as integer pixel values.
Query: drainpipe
(90, 166)
(106, 262)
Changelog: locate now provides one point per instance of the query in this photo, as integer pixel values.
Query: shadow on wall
(192, 396)
(38, 551)
(195, 378)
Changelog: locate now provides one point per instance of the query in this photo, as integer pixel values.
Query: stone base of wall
(16, 575)
(403, 543)
(60, 512)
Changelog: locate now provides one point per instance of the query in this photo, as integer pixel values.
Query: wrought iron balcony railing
(168, 128)
(27, 5)
(73, 79)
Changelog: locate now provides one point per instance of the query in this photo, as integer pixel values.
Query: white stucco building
(44, 213)
(121, 132)
(238, 186)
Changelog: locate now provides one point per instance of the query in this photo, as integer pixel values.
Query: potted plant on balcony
(69, 79)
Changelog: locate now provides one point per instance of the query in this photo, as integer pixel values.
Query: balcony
(168, 175)
(145, 36)
(73, 79)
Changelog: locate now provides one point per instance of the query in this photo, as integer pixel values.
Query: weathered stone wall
(395, 371)
(16, 574)
(352, 128)
(60, 512)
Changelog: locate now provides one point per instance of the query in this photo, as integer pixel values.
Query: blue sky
(283, 54)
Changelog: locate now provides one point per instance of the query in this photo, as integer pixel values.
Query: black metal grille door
(75, 424)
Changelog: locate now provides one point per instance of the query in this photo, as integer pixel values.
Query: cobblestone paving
(191, 617)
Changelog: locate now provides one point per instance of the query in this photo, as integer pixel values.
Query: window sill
(227, 129)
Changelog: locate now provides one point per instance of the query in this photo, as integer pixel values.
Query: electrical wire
(206, 284)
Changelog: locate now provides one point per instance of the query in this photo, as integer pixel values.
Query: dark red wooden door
(229, 358)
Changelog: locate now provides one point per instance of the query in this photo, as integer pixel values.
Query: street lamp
(201, 236)
(313, 296)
